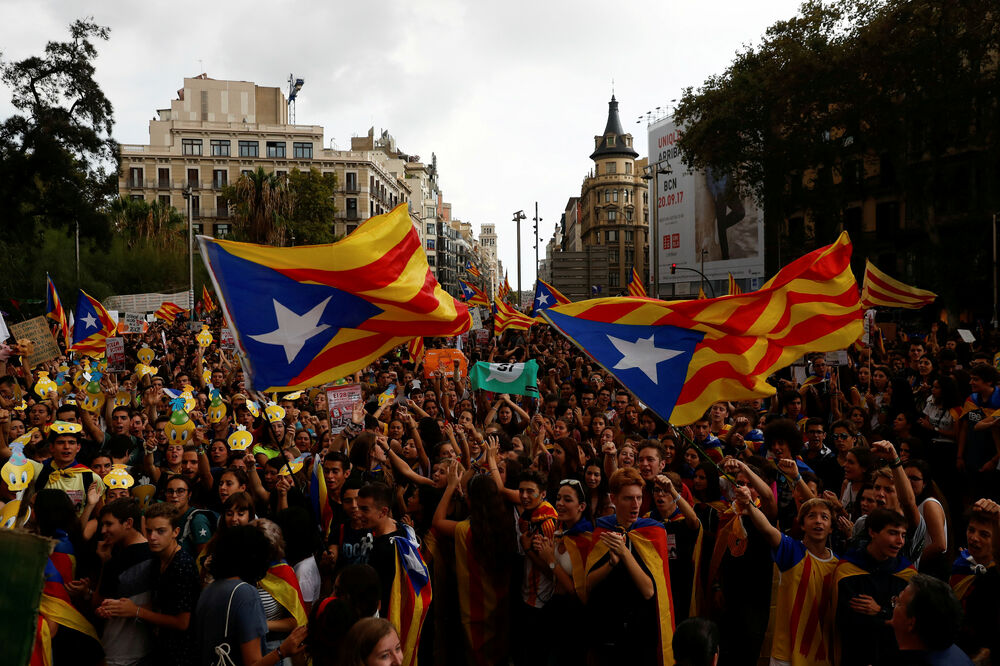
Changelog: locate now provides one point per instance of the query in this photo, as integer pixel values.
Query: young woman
(878, 399)
(170, 466)
(935, 559)
(857, 462)
(372, 641)
(598, 498)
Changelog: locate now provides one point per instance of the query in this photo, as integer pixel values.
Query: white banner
(146, 302)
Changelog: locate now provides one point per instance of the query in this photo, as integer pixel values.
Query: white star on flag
(89, 320)
(542, 299)
(294, 330)
(642, 354)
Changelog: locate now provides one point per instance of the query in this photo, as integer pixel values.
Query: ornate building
(613, 205)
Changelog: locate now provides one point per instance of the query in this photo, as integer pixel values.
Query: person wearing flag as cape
(628, 581)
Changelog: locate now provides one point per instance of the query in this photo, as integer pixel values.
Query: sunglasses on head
(571, 482)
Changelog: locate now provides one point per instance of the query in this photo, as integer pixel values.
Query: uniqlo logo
(675, 240)
(666, 242)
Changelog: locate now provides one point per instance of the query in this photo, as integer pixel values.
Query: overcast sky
(509, 95)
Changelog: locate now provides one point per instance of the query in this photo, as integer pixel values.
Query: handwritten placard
(37, 330)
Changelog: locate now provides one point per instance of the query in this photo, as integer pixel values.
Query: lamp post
(537, 220)
(652, 172)
(518, 216)
(188, 198)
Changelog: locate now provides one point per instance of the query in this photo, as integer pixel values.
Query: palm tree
(261, 206)
(139, 221)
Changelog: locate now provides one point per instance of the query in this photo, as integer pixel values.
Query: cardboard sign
(36, 330)
(963, 333)
(340, 401)
(837, 357)
(226, 339)
(444, 360)
(477, 319)
(115, 352)
(483, 336)
(133, 322)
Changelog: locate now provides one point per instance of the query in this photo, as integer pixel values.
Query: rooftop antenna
(294, 86)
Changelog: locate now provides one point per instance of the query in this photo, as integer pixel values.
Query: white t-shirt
(309, 581)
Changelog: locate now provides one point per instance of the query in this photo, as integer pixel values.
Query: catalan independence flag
(168, 312)
(635, 288)
(546, 296)
(880, 289)
(682, 356)
(504, 288)
(307, 315)
(473, 295)
(280, 582)
(482, 602)
(56, 605)
(506, 317)
(647, 540)
(206, 299)
(473, 271)
(415, 348)
(54, 309)
(93, 325)
(734, 289)
(410, 596)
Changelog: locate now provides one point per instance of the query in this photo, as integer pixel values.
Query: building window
(613, 256)
(628, 215)
(629, 256)
(352, 208)
(613, 279)
(135, 197)
(629, 236)
(196, 228)
(275, 148)
(164, 200)
(607, 196)
(280, 174)
(351, 228)
(220, 147)
(614, 196)
(249, 149)
(351, 181)
(611, 141)
(191, 146)
(196, 207)
(303, 150)
(612, 235)
(163, 178)
(628, 167)
(192, 178)
(221, 207)
(430, 229)
(430, 243)
(645, 198)
(221, 230)
(246, 172)
(612, 215)
(135, 177)
(431, 259)
(220, 178)
(611, 168)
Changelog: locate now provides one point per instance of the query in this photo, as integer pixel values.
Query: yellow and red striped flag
(206, 299)
(415, 348)
(635, 288)
(168, 312)
(307, 315)
(473, 270)
(880, 289)
(506, 317)
(680, 357)
(734, 289)
(504, 289)
(93, 325)
(701, 293)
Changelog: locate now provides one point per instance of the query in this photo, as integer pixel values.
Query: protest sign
(115, 352)
(226, 340)
(133, 322)
(444, 360)
(36, 330)
(477, 319)
(340, 402)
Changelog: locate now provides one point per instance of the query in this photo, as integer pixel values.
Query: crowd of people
(850, 519)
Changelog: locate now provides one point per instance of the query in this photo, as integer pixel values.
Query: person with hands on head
(802, 622)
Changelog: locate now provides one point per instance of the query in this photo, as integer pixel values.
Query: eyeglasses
(175, 491)
(841, 435)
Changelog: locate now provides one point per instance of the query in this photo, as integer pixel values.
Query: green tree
(865, 99)
(262, 205)
(313, 208)
(152, 223)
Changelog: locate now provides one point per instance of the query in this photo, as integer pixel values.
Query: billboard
(699, 214)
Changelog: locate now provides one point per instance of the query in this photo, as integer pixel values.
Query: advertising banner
(699, 215)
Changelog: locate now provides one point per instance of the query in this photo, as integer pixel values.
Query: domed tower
(614, 205)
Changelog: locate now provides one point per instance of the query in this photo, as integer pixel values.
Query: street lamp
(188, 198)
(518, 216)
(653, 172)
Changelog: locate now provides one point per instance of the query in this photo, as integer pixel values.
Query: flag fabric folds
(415, 348)
(701, 293)
(168, 312)
(518, 378)
(635, 288)
(682, 356)
(281, 583)
(304, 316)
(506, 317)
(54, 309)
(473, 271)
(93, 325)
(473, 295)
(319, 499)
(734, 289)
(206, 299)
(546, 296)
(410, 596)
(880, 289)
(504, 289)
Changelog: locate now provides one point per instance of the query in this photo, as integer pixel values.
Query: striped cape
(482, 603)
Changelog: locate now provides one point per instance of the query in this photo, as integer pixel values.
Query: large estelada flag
(506, 317)
(410, 596)
(880, 289)
(546, 296)
(168, 312)
(473, 295)
(635, 288)
(304, 316)
(647, 539)
(682, 356)
(93, 325)
(54, 309)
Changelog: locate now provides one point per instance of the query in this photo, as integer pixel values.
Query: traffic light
(673, 269)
